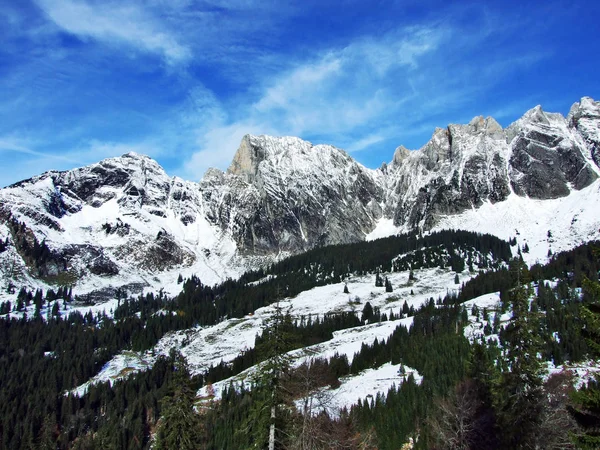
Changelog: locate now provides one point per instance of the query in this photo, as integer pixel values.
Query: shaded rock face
(284, 194)
(542, 156)
(547, 159)
(460, 168)
(584, 116)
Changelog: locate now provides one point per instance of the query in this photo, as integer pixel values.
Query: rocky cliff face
(541, 156)
(284, 194)
(124, 217)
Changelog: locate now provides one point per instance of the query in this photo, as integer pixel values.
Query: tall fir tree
(268, 418)
(586, 401)
(180, 426)
(517, 393)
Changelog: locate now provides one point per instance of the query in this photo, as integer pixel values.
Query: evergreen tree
(388, 285)
(180, 426)
(346, 291)
(367, 312)
(271, 400)
(518, 391)
(48, 433)
(378, 280)
(586, 408)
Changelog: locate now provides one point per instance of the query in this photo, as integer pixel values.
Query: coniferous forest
(492, 393)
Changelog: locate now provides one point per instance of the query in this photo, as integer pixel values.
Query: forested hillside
(450, 390)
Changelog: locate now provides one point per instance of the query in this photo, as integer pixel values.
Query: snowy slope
(207, 346)
(555, 224)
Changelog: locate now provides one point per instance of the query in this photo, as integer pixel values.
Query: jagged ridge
(123, 220)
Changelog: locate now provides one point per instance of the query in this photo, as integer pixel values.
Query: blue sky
(183, 81)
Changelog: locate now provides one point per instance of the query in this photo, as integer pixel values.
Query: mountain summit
(125, 222)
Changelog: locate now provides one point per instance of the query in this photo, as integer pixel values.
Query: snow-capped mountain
(125, 222)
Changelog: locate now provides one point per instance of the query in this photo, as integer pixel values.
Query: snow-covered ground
(555, 225)
(207, 346)
(364, 387)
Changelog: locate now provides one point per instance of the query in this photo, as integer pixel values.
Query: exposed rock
(585, 118)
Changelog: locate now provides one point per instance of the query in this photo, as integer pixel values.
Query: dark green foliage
(378, 280)
(388, 285)
(123, 415)
(367, 313)
(586, 408)
(436, 350)
(517, 394)
(269, 412)
(180, 426)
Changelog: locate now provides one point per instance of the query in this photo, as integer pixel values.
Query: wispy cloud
(338, 92)
(16, 145)
(184, 80)
(117, 23)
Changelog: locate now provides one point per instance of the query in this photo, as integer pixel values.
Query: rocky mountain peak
(486, 126)
(254, 150)
(247, 158)
(587, 107)
(400, 155)
(438, 149)
(536, 115)
(584, 116)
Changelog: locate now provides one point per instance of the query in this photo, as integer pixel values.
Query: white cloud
(339, 92)
(116, 22)
(371, 90)
(16, 145)
(365, 142)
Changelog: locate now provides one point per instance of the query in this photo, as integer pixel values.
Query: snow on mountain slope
(207, 346)
(121, 222)
(364, 387)
(544, 225)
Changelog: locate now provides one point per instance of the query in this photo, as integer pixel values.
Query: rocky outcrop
(547, 159)
(541, 155)
(284, 194)
(584, 116)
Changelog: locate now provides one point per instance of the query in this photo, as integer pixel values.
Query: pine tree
(271, 403)
(518, 391)
(180, 426)
(378, 280)
(388, 285)
(48, 433)
(367, 312)
(346, 291)
(586, 408)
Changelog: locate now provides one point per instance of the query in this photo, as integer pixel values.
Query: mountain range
(123, 223)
